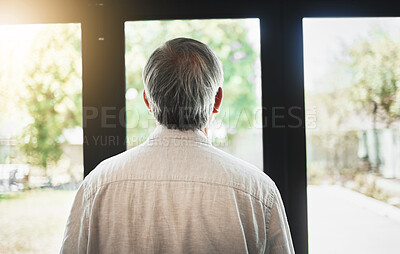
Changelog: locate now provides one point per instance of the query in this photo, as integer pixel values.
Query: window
(40, 134)
(352, 95)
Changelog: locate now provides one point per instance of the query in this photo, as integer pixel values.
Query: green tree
(376, 67)
(229, 40)
(53, 93)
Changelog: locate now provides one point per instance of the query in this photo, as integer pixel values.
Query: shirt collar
(161, 132)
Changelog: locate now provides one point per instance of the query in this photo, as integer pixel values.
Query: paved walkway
(343, 221)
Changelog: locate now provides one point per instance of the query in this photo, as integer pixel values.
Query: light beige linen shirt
(176, 193)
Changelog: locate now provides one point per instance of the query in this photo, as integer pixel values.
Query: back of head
(181, 79)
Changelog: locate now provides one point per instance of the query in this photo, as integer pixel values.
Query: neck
(204, 130)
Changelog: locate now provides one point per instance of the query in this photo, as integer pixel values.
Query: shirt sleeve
(76, 231)
(279, 240)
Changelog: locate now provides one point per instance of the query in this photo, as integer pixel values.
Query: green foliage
(53, 92)
(372, 90)
(228, 39)
(376, 67)
(367, 185)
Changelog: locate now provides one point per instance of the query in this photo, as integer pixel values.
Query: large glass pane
(352, 96)
(237, 128)
(40, 134)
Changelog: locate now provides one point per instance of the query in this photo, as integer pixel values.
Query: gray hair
(181, 79)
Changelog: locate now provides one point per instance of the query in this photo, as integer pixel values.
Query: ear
(218, 100)
(146, 101)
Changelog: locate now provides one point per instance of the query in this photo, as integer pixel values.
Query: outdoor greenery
(230, 41)
(376, 66)
(358, 97)
(370, 97)
(53, 93)
(366, 184)
(376, 79)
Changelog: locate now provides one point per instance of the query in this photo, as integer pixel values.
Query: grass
(34, 221)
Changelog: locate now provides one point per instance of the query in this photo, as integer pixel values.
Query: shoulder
(110, 170)
(239, 166)
(244, 176)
